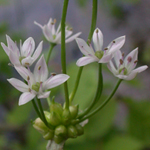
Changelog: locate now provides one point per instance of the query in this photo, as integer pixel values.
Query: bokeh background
(124, 124)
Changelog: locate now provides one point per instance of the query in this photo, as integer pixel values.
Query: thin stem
(76, 84)
(49, 53)
(93, 25)
(36, 108)
(63, 50)
(98, 92)
(104, 103)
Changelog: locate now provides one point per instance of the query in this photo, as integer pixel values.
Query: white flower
(53, 35)
(124, 68)
(98, 55)
(37, 82)
(26, 56)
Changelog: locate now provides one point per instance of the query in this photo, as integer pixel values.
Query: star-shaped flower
(37, 82)
(53, 35)
(98, 55)
(124, 68)
(26, 56)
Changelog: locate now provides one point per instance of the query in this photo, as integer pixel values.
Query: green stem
(76, 84)
(49, 53)
(36, 108)
(104, 103)
(97, 95)
(93, 25)
(63, 50)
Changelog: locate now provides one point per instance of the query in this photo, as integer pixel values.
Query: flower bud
(54, 119)
(58, 139)
(61, 130)
(39, 125)
(80, 129)
(56, 107)
(49, 135)
(66, 117)
(72, 131)
(74, 111)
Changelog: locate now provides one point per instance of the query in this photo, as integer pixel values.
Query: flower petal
(14, 59)
(38, 51)
(48, 34)
(40, 70)
(117, 57)
(70, 39)
(19, 85)
(111, 67)
(28, 61)
(106, 58)
(85, 60)
(44, 95)
(55, 81)
(36, 23)
(98, 39)
(84, 48)
(25, 98)
(116, 44)
(28, 47)
(6, 49)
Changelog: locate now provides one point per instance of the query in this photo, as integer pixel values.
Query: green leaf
(120, 142)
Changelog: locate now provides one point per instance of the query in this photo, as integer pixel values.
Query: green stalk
(97, 95)
(104, 103)
(63, 50)
(49, 53)
(93, 26)
(36, 108)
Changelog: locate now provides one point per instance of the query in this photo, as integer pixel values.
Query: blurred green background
(124, 124)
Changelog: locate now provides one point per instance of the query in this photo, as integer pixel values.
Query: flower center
(21, 58)
(123, 70)
(99, 54)
(54, 36)
(36, 86)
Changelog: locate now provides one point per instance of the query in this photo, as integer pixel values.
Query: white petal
(25, 98)
(84, 48)
(116, 44)
(85, 60)
(55, 81)
(27, 61)
(38, 25)
(28, 47)
(111, 67)
(68, 33)
(14, 58)
(98, 39)
(40, 70)
(38, 51)
(48, 34)
(106, 58)
(44, 95)
(134, 57)
(124, 77)
(140, 69)
(117, 57)
(70, 39)
(19, 85)
(6, 49)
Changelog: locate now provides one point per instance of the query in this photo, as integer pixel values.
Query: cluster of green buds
(62, 123)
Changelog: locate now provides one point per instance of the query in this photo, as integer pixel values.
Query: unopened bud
(49, 135)
(74, 111)
(54, 119)
(58, 139)
(66, 117)
(72, 131)
(61, 130)
(80, 129)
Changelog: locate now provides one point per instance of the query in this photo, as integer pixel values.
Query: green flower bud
(54, 119)
(66, 117)
(56, 107)
(74, 111)
(39, 125)
(58, 139)
(99, 54)
(49, 135)
(72, 131)
(74, 121)
(61, 130)
(80, 129)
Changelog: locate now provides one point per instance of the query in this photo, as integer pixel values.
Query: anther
(129, 59)
(39, 67)
(27, 64)
(28, 78)
(29, 90)
(54, 21)
(71, 29)
(96, 30)
(123, 54)
(106, 48)
(121, 61)
(89, 41)
(114, 41)
(136, 61)
(53, 74)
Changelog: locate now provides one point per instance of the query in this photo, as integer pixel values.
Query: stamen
(114, 41)
(106, 48)
(96, 30)
(39, 67)
(123, 54)
(53, 74)
(121, 61)
(71, 29)
(135, 61)
(27, 64)
(29, 90)
(89, 41)
(10, 64)
(28, 78)
(129, 59)
(54, 21)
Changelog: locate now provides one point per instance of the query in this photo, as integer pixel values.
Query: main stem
(104, 103)
(93, 26)
(63, 50)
